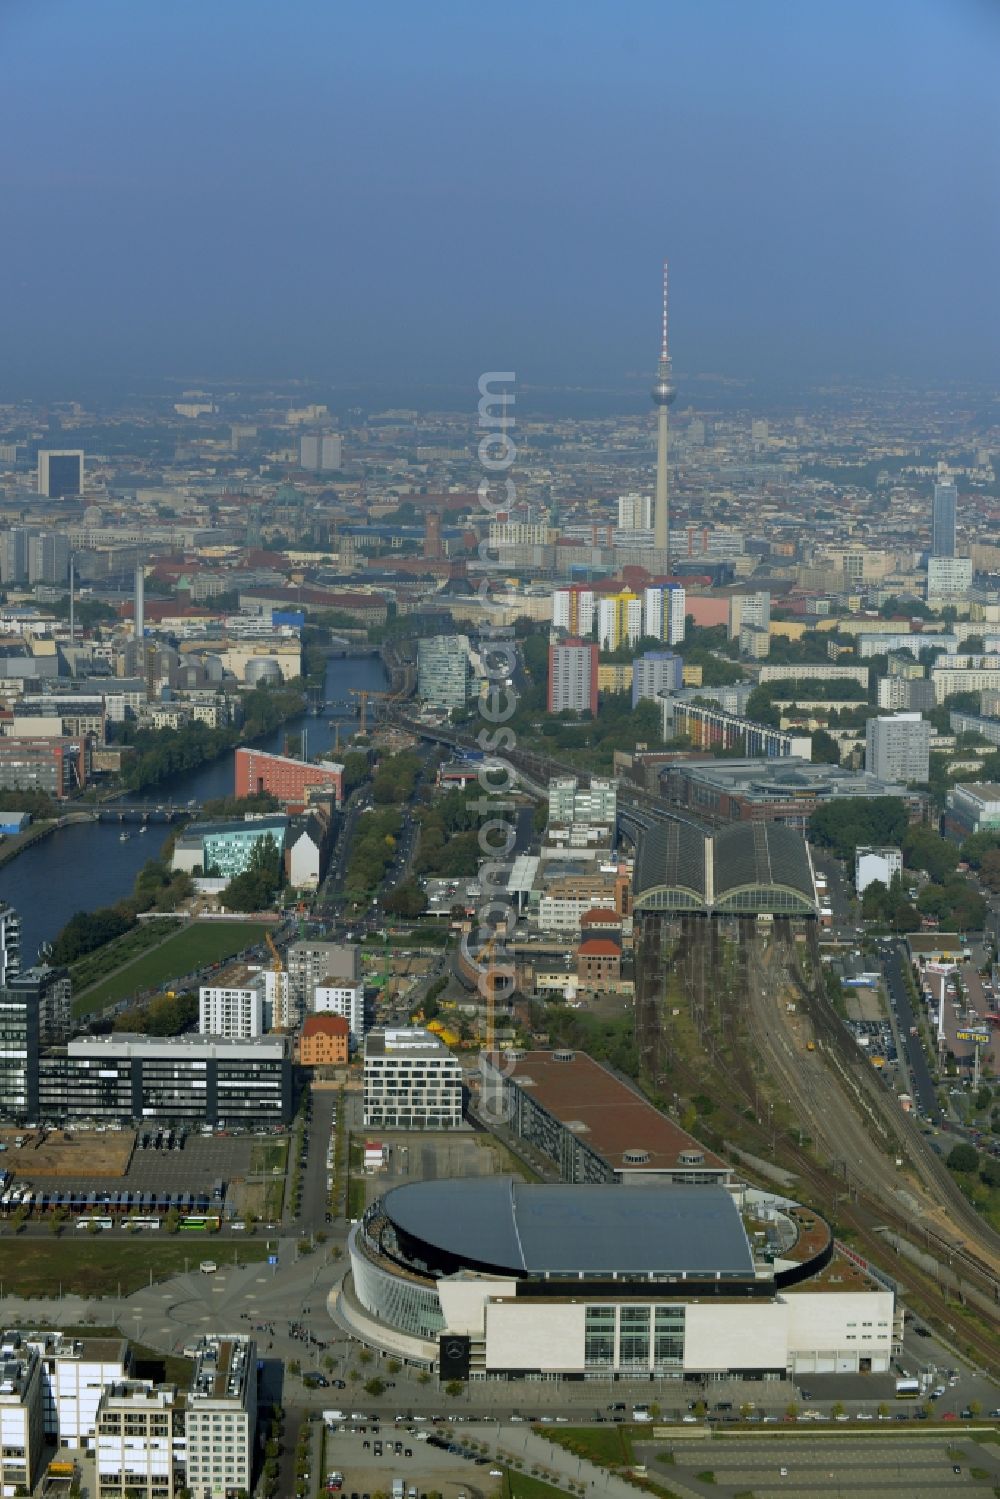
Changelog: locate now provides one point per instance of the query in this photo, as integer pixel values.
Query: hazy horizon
(399, 197)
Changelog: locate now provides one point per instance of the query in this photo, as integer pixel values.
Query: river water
(81, 867)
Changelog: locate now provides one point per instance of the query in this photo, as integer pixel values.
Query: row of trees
(162, 753)
(156, 888)
(844, 823)
(372, 851)
(167, 1015)
(396, 779)
(449, 837)
(953, 903)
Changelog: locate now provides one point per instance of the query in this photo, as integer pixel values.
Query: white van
(208, 1267)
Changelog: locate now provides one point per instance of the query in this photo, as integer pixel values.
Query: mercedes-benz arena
(494, 1278)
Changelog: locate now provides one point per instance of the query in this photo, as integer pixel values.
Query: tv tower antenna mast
(664, 393)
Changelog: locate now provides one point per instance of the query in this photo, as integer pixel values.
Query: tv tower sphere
(664, 392)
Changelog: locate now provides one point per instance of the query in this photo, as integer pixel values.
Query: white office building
(75, 1372)
(898, 748)
(139, 1447)
(871, 864)
(412, 1081)
(949, 578)
(749, 609)
(309, 963)
(21, 1416)
(593, 804)
(338, 998)
(233, 1006)
(222, 1417)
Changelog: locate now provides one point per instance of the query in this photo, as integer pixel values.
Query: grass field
(193, 946)
(269, 1155)
(611, 1446)
(90, 970)
(523, 1486)
(93, 1266)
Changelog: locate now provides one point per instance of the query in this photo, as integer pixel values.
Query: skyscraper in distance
(60, 472)
(664, 393)
(943, 514)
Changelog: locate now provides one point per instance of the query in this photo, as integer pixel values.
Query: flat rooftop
(222, 1369)
(616, 1122)
(413, 1041)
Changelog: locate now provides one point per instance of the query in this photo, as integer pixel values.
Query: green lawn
(90, 970)
(90, 1265)
(523, 1486)
(193, 946)
(611, 1446)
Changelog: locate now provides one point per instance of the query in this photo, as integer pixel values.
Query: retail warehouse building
(488, 1278)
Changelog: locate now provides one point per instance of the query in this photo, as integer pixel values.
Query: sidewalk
(563, 1466)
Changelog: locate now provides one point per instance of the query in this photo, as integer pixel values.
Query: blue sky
(398, 192)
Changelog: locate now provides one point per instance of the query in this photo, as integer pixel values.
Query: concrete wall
(533, 1335)
(720, 1336)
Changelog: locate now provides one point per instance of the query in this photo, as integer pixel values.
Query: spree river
(81, 867)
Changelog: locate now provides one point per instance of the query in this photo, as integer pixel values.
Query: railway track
(858, 1208)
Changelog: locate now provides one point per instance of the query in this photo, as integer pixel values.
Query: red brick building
(289, 780)
(598, 961)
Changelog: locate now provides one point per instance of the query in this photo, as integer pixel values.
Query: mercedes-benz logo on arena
(454, 1350)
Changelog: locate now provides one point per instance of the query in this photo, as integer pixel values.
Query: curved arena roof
(743, 869)
(496, 1223)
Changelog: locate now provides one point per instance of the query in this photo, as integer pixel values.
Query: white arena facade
(491, 1278)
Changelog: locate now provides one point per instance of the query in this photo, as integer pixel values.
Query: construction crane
(364, 695)
(487, 953)
(276, 963)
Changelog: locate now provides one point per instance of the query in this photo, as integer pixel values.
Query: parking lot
(808, 1468)
(428, 1469)
(434, 1156)
(203, 1161)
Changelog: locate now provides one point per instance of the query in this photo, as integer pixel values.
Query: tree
(842, 824)
(375, 1387)
(989, 1172)
(964, 1158)
(825, 749)
(454, 1388)
(927, 850)
(255, 889)
(406, 900)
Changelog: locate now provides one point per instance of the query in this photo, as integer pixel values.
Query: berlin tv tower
(664, 394)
